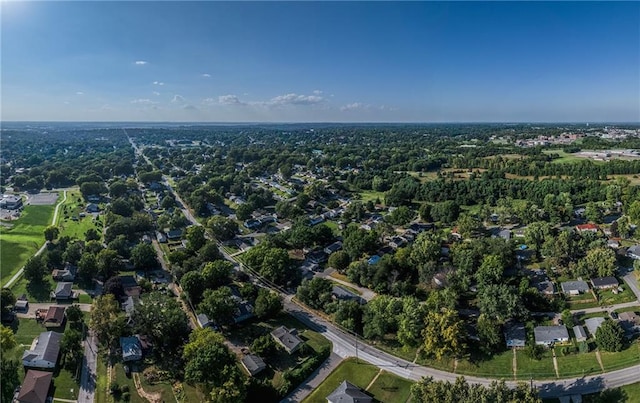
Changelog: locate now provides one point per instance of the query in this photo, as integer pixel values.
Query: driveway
(31, 313)
(89, 376)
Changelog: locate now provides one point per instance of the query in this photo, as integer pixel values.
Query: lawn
(609, 298)
(73, 207)
(528, 367)
(574, 365)
(499, 366)
(36, 292)
(121, 379)
(101, 395)
(65, 385)
(367, 195)
(358, 373)
(391, 388)
(26, 330)
(625, 358)
(25, 236)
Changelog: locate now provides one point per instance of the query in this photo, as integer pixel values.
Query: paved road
(88, 379)
(16, 276)
(311, 383)
(365, 293)
(631, 280)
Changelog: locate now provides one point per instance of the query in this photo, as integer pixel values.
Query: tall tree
(51, 233)
(144, 256)
(107, 320)
(268, 303)
(219, 305)
(444, 334)
(610, 336)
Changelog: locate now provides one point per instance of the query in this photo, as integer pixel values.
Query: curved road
(53, 222)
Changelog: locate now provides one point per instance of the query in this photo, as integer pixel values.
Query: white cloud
(317, 92)
(354, 106)
(79, 93)
(156, 93)
(208, 101)
(189, 107)
(143, 101)
(230, 100)
(206, 75)
(295, 99)
(158, 83)
(177, 99)
(140, 62)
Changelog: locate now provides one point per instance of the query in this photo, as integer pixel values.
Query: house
(604, 283)
(161, 237)
(252, 224)
(515, 334)
(92, 208)
(35, 387)
(334, 247)
(317, 257)
(316, 220)
(548, 335)
(174, 234)
(580, 333)
(397, 242)
(130, 286)
(63, 291)
(146, 239)
(630, 322)
(54, 316)
(505, 234)
(203, 320)
(253, 364)
(244, 312)
(347, 392)
(67, 274)
(574, 287)
(587, 228)
(613, 243)
(546, 287)
(593, 324)
(44, 351)
(340, 293)
(287, 338)
(131, 349)
(634, 252)
(11, 202)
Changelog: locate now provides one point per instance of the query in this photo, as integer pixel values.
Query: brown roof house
(35, 387)
(54, 317)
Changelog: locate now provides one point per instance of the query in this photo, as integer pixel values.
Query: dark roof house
(131, 349)
(347, 392)
(253, 364)
(515, 334)
(287, 338)
(44, 351)
(35, 387)
(63, 291)
(604, 283)
(54, 317)
(574, 287)
(548, 335)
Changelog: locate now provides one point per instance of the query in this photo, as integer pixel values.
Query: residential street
(88, 378)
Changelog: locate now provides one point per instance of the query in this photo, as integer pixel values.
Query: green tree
(601, 261)
(633, 211)
(446, 212)
(108, 263)
(568, 319)
(593, 213)
(381, 316)
(195, 237)
(268, 304)
(264, 346)
(468, 225)
(7, 299)
(217, 273)
(107, 320)
(443, 334)
(73, 313)
(144, 256)
(490, 271)
(243, 212)
(10, 378)
(194, 285)
(219, 305)
(35, 269)
(87, 268)
(91, 234)
(223, 228)
(161, 317)
(410, 322)
(71, 347)
(339, 260)
(315, 292)
(500, 301)
(610, 336)
(489, 334)
(51, 233)
(536, 233)
(7, 339)
(209, 361)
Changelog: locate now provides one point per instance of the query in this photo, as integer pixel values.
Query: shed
(580, 333)
(253, 364)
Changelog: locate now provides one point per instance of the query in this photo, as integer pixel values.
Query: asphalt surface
(88, 379)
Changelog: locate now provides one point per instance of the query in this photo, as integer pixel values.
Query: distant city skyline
(320, 62)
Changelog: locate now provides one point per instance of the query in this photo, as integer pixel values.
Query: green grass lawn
(65, 385)
(499, 366)
(26, 330)
(359, 374)
(101, 395)
(36, 292)
(72, 207)
(625, 358)
(391, 388)
(609, 298)
(26, 235)
(367, 195)
(121, 379)
(528, 368)
(575, 365)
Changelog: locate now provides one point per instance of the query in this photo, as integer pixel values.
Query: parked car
(127, 371)
(614, 314)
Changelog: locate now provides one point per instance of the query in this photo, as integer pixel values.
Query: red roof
(587, 227)
(55, 314)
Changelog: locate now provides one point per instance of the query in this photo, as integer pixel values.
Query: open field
(625, 358)
(528, 368)
(577, 364)
(25, 236)
(69, 220)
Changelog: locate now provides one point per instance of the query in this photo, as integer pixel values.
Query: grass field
(35, 292)
(577, 364)
(66, 386)
(528, 367)
(625, 358)
(25, 236)
(371, 195)
(72, 208)
(499, 366)
(387, 387)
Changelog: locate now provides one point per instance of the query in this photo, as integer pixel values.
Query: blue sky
(341, 62)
